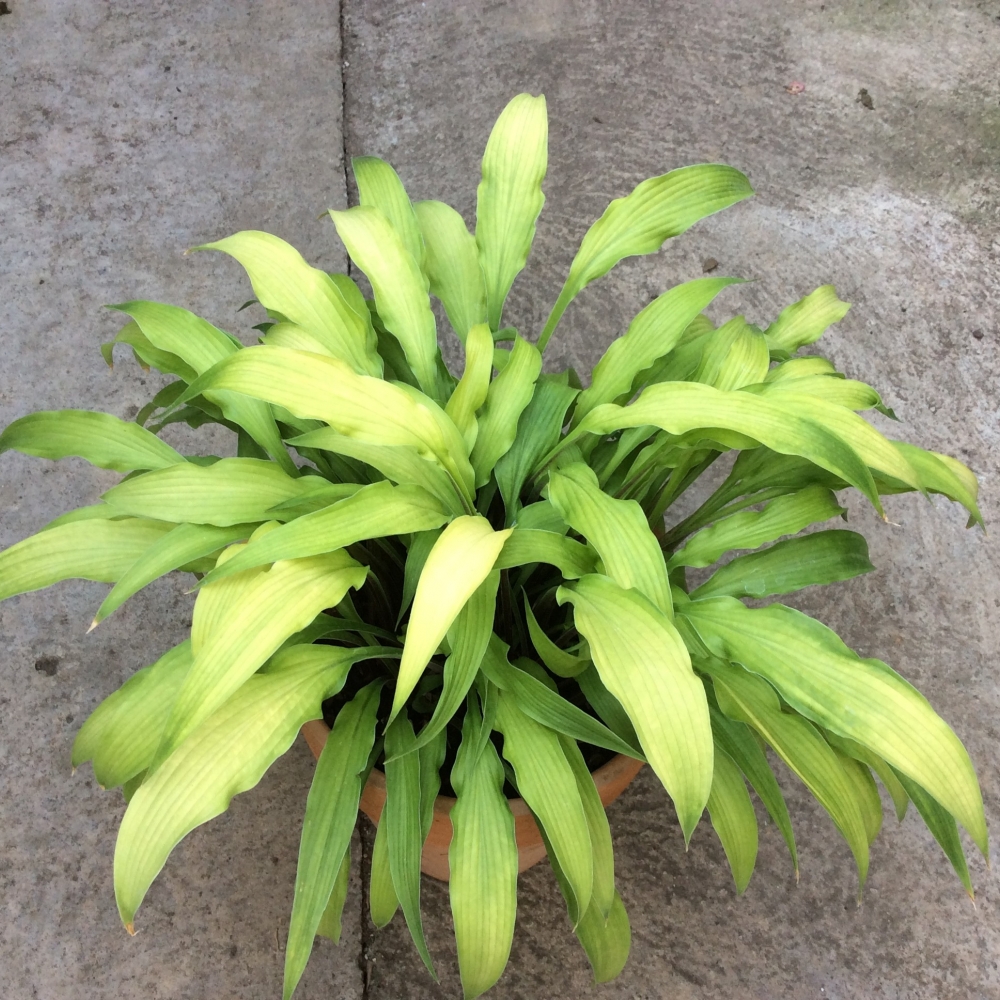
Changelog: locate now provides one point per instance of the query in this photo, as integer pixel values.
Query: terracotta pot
(612, 779)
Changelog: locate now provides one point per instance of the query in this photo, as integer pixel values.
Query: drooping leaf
(330, 922)
(379, 187)
(451, 262)
(509, 197)
(946, 475)
(866, 793)
(806, 320)
(147, 355)
(382, 899)
(461, 559)
(641, 222)
(861, 699)
(733, 818)
(822, 557)
(286, 284)
(92, 549)
(331, 811)
(886, 774)
(841, 391)
(100, 438)
(644, 663)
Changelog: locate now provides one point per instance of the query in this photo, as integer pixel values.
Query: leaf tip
(93, 625)
(130, 927)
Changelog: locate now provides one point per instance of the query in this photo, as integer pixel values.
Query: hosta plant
(479, 578)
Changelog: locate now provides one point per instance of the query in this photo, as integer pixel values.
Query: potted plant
(478, 580)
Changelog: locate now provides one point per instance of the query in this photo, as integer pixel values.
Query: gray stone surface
(898, 206)
(128, 132)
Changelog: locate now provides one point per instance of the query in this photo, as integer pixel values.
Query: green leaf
(618, 529)
(942, 825)
(331, 811)
(750, 529)
(736, 739)
(561, 663)
(468, 636)
(93, 549)
(734, 356)
(229, 753)
(382, 899)
(541, 516)
(822, 557)
(402, 818)
(399, 285)
(101, 439)
(482, 858)
(147, 355)
(863, 700)
(120, 736)
(185, 544)
(946, 475)
(653, 333)
(866, 793)
(379, 187)
(538, 430)
(232, 491)
(419, 549)
(644, 663)
(509, 394)
(461, 559)
(284, 283)
(244, 619)
(886, 774)
(452, 264)
(644, 220)
(752, 700)
(510, 196)
(375, 511)
(330, 922)
(606, 705)
(807, 320)
(369, 410)
(473, 387)
(545, 780)
(733, 818)
(780, 424)
(532, 545)
(841, 391)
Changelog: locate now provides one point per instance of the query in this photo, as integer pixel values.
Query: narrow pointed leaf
(841, 391)
(382, 899)
(733, 818)
(806, 320)
(473, 387)
(886, 774)
(561, 663)
(532, 545)
(330, 923)
(866, 794)
(608, 708)
(379, 187)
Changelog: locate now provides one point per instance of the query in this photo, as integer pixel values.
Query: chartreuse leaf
(373, 512)
(752, 700)
(538, 430)
(379, 187)
(806, 320)
(184, 544)
(417, 552)
(644, 663)
(603, 893)
(509, 197)
(461, 559)
(330, 923)
(226, 755)
(618, 529)
(942, 825)
(402, 819)
(93, 549)
(842, 391)
(331, 812)
(561, 663)
(541, 516)
(92, 512)
(653, 333)
(545, 780)
(468, 636)
(733, 818)
(780, 424)
(946, 475)
(401, 463)
(251, 624)
(750, 529)
(738, 742)
(232, 491)
(644, 220)
(147, 355)
(451, 262)
(532, 545)
(804, 367)
(120, 736)
(284, 283)
(866, 793)
(471, 391)
(367, 409)
(509, 394)
(100, 438)
(822, 557)
(863, 700)
(735, 355)
(545, 706)
(382, 899)
(482, 858)
(886, 774)
(399, 285)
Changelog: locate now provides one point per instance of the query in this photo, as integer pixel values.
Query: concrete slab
(129, 132)
(898, 206)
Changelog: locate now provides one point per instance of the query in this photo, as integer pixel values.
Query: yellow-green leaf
(806, 320)
(733, 818)
(379, 187)
(473, 387)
